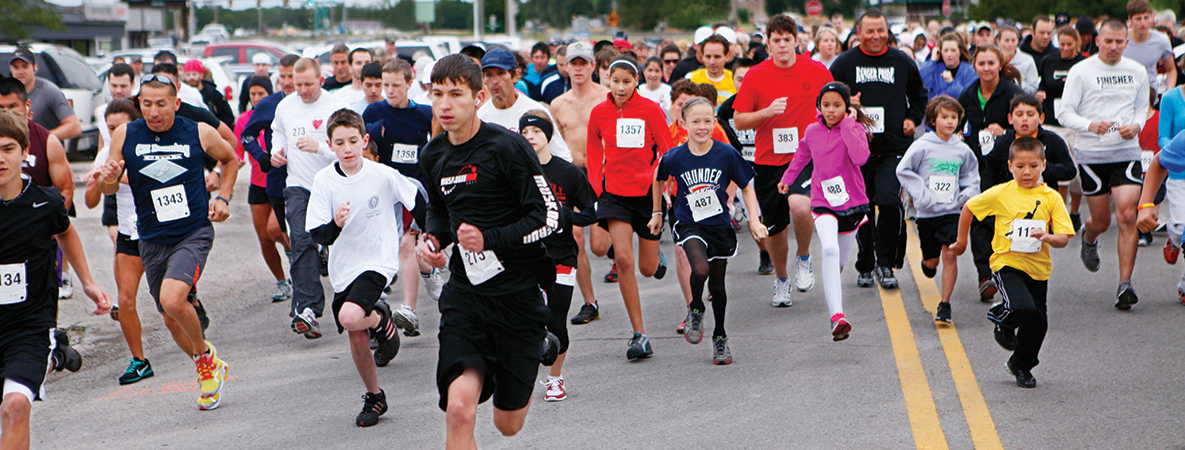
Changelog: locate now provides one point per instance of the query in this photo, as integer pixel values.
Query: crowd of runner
(507, 169)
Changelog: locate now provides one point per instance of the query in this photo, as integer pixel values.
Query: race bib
(877, 114)
(12, 284)
(942, 188)
(835, 192)
(749, 153)
(746, 137)
(405, 154)
(631, 133)
(1022, 239)
(1146, 159)
(480, 266)
(170, 203)
(704, 204)
(785, 140)
(1112, 136)
(986, 141)
(133, 227)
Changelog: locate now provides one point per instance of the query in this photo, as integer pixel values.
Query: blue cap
(499, 58)
(1172, 157)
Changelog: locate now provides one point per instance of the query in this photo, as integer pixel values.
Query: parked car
(69, 71)
(241, 52)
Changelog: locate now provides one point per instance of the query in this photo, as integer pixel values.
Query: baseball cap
(499, 58)
(580, 50)
(261, 58)
(194, 65)
(728, 33)
(622, 44)
(703, 33)
(620, 35)
(23, 53)
(426, 74)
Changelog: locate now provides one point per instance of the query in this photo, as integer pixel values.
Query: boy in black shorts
(487, 195)
(355, 209)
(31, 218)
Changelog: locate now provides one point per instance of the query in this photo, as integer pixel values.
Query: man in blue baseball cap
(506, 106)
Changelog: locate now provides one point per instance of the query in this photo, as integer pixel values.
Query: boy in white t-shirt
(356, 208)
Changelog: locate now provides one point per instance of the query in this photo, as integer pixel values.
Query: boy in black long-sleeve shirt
(1026, 114)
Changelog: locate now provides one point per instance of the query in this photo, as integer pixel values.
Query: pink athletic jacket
(837, 152)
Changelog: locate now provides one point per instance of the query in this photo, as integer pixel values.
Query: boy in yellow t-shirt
(1030, 218)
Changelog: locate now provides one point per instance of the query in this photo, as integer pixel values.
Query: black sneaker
(987, 289)
(1076, 220)
(1024, 378)
(929, 272)
(588, 313)
(550, 350)
(1006, 337)
(611, 277)
(373, 406)
(943, 312)
(639, 347)
(766, 267)
(1126, 295)
(324, 254)
(865, 280)
(139, 369)
(661, 271)
(884, 276)
(64, 356)
(1145, 239)
(201, 310)
(385, 335)
(1089, 254)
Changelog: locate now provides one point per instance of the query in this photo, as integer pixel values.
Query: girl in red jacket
(627, 134)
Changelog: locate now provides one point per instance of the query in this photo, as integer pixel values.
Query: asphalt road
(1108, 379)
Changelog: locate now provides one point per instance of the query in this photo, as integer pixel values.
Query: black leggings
(1023, 309)
(559, 298)
(711, 271)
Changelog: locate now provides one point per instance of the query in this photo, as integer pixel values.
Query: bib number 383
(1022, 235)
(12, 284)
(480, 266)
(170, 203)
(704, 204)
(631, 133)
(785, 140)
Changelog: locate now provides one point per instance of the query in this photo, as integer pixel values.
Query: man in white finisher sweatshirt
(299, 139)
(507, 105)
(1106, 102)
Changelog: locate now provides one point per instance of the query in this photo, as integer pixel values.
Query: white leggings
(836, 250)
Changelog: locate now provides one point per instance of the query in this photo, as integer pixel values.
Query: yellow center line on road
(979, 420)
(919, 402)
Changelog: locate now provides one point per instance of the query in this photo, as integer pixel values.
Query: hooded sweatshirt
(838, 153)
(924, 166)
(624, 145)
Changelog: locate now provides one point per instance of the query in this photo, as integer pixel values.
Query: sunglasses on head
(157, 77)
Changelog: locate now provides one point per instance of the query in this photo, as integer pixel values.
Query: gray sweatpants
(307, 291)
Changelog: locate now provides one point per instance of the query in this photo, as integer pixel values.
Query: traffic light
(285, 3)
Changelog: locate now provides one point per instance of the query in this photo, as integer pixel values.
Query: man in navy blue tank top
(163, 155)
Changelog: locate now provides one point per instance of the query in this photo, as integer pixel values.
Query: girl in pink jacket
(838, 143)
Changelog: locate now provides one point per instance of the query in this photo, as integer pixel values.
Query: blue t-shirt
(166, 175)
(399, 134)
(713, 171)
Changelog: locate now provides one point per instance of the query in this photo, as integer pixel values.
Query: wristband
(1145, 206)
(656, 213)
(223, 200)
(111, 182)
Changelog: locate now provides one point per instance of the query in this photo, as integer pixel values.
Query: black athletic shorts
(1098, 179)
(124, 245)
(635, 211)
(257, 195)
(183, 261)
(110, 216)
(934, 232)
(363, 291)
(848, 220)
(24, 357)
(500, 334)
(721, 243)
(775, 211)
(278, 209)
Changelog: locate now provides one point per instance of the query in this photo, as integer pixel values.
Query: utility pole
(259, 9)
(511, 18)
(477, 19)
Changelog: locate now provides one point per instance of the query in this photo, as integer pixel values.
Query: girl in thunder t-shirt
(703, 169)
(626, 137)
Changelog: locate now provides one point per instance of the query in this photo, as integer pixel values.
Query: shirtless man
(571, 112)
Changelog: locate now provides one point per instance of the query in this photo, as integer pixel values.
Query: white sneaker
(433, 283)
(804, 279)
(555, 389)
(283, 292)
(782, 294)
(66, 291)
(405, 318)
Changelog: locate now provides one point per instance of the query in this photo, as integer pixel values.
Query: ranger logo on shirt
(885, 75)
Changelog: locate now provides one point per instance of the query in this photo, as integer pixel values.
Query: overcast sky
(239, 4)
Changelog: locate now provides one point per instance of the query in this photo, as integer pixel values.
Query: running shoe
(1076, 221)
(694, 330)
(555, 390)
(736, 226)
(766, 266)
(64, 356)
(682, 326)
(588, 313)
(203, 319)
(211, 372)
(139, 369)
(865, 280)
(406, 319)
(209, 403)
(987, 289)
(1144, 240)
(323, 253)
(384, 334)
(639, 347)
(839, 327)
(929, 272)
(1005, 336)
(1024, 378)
(550, 349)
(884, 276)
(283, 292)
(1171, 253)
(1181, 295)
(1089, 254)
(782, 294)
(373, 406)
(433, 283)
(611, 277)
(721, 354)
(943, 312)
(66, 290)
(1125, 296)
(661, 271)
(804, 278)
(306, 323)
